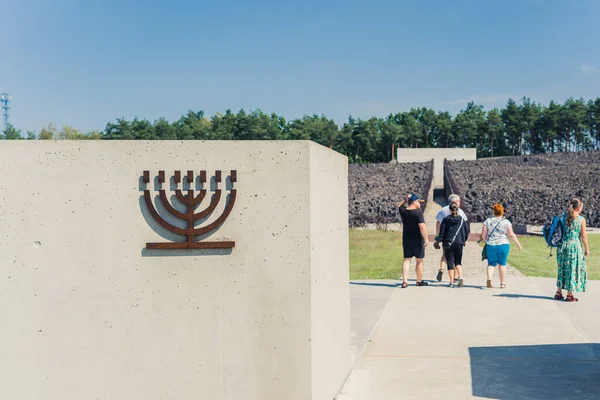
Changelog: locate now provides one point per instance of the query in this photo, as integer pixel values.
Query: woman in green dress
(572, 273)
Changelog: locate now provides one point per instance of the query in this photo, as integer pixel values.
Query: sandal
(422, 283)
(489, 284)
(404, 285)
(558, 295)
(571, 298)
(503, 286)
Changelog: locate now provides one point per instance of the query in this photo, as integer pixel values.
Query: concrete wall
(329, 246)
(86, 312)
(438, 156)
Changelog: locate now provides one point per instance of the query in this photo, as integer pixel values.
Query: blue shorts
(497, 255)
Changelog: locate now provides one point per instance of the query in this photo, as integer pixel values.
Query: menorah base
(190, 246)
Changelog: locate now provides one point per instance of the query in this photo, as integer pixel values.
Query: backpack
(553, 232)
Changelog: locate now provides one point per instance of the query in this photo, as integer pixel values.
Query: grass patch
(378, 255)
(533, 261)
(375, 254)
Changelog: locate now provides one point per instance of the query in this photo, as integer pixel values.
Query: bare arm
(584, 238)
(484, 233)
(514, 237)
(403, 202)
(437, 227)
(423, 229)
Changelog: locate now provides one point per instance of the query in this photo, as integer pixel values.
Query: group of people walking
(453, 230)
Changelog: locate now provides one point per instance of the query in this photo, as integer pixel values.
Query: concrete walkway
(435, 342)
(472, 342)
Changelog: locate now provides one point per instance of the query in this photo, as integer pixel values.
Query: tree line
(516, 129)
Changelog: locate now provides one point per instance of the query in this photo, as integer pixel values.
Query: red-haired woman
(572, 272)
(496, 231)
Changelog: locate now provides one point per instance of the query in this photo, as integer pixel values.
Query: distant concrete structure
(438, 156)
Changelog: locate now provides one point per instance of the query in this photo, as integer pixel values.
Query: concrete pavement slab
(368, 299)
(473, 342)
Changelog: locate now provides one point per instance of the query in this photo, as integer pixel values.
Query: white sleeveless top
(500, 234)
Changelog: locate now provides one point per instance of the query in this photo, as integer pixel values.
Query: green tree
(593, 121)
(366, 141)
(550, 126)
(317, 128)
(469, 126)
(511, 116)
(532, 130)
(427, 118)
(576, 115)
(443, 135)
(194, 125)
(67, 132)
(11, 133)
(391, 136)
(494, 130)
(343, 142)
(412, 130)
(121, 130)
(512, 130)
(142, 129)
(223, 126)
(245, 126)
(572, 123)
(164, 130)
(49, 132)
(270, 127)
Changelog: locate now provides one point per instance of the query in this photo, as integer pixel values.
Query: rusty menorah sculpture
(190, 201)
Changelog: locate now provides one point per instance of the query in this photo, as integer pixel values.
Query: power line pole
(5, 99)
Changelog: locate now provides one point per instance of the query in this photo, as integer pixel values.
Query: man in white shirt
(444, 212)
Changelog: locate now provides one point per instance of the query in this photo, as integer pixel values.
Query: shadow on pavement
(555, 371)
(412, 283)
(382, 284)
(524, 296)
(445, 285)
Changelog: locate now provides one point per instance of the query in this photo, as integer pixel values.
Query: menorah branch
(213, 204)
(221, 219)
(169, 207)
(158, 218)
(189, 199)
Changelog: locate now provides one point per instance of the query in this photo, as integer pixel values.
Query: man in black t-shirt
(414, 237)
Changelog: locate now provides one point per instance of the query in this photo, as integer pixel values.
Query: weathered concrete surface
(517, 343)
(86, 312)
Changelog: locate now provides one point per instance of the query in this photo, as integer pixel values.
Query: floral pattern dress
(572, 273)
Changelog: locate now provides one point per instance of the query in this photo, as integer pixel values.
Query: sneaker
(451, 285)
(460, 282)
(439, 275)
(422, 283)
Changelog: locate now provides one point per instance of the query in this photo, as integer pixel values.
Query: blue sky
(87, 63)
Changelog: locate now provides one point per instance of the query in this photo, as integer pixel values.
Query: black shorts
(413, 248)
(454, 255)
